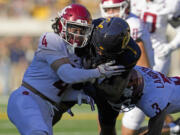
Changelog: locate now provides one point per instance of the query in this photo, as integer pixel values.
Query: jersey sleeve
(51, 47)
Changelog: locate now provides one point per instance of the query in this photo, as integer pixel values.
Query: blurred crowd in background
(17, 50)
(40, 9)
(15, 54)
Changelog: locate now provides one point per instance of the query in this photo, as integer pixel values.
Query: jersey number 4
(44, 42)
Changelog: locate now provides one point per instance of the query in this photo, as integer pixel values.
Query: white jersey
(156, 15)
(157, 92)
(139, 31)
(40, 74)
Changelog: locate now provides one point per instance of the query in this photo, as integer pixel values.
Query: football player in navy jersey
(126, 52)
(154, 93)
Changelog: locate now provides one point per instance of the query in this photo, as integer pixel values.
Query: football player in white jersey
(157, 14)
(49, 81)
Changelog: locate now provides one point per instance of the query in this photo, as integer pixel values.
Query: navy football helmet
(111, 37)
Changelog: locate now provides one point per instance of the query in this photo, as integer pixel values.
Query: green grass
(83, 123)
(64, 127)
(79, 127)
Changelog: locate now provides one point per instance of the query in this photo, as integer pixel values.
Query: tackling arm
(70, 74)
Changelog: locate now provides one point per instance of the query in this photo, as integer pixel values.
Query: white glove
(164, 50)
(107, 70)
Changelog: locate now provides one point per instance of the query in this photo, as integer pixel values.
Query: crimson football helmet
(74, 24)
(124, 8)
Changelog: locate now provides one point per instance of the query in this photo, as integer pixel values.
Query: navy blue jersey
(110, 89)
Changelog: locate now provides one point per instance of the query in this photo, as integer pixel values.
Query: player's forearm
(70, 74)
(144, 60)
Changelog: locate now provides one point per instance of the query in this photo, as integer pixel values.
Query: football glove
(108, 69)
(164, 50)
(83, 98)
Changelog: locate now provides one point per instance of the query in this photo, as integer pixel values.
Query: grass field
(83, 123)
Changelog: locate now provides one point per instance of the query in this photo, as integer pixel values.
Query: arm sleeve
(56, 49)
(71, 75)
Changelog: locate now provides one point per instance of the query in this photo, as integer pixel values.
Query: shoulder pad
(50, 41)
